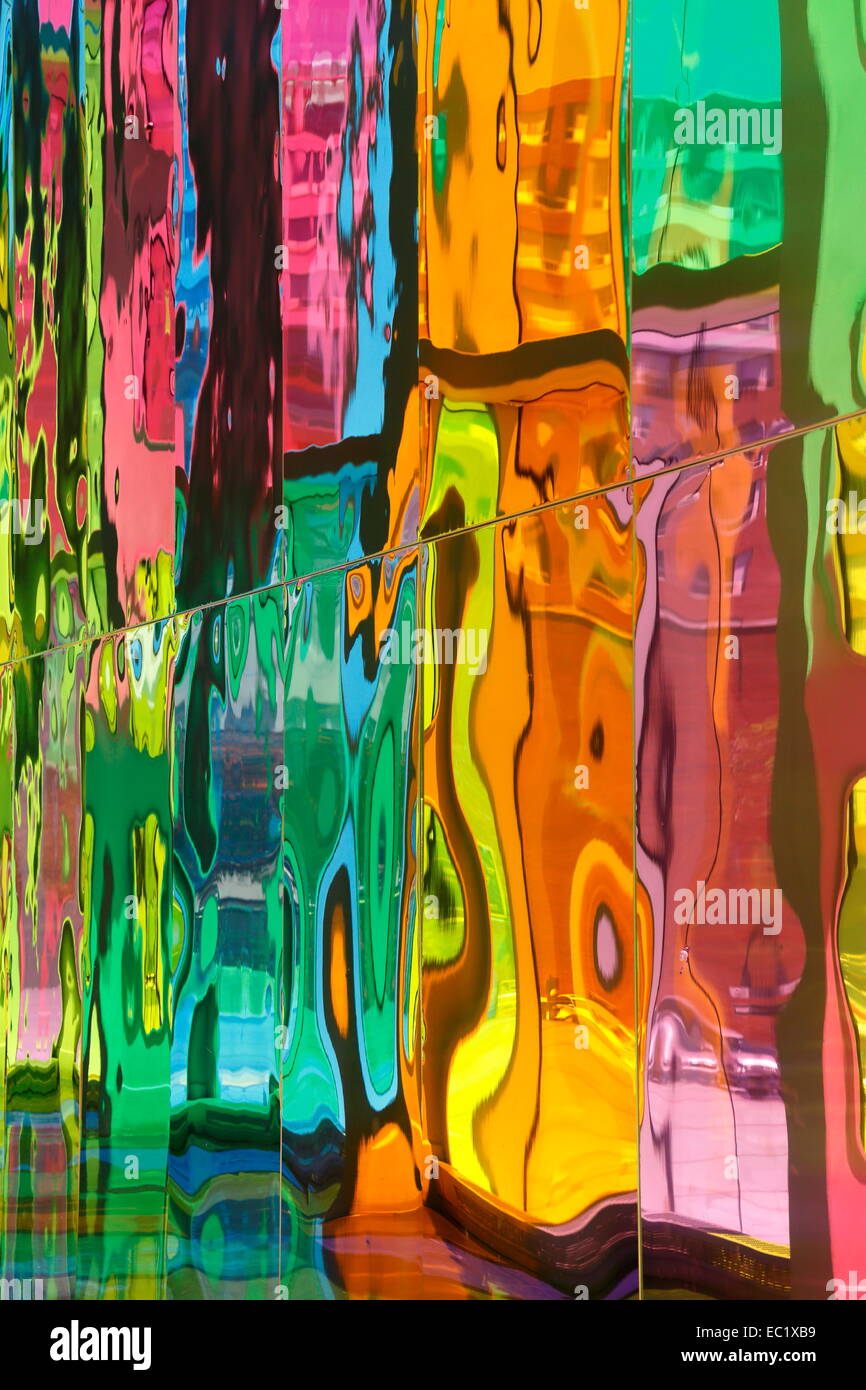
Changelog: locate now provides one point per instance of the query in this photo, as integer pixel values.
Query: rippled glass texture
(749, 778)
(432, 515)
(523, 362)
(748, 283)
(528, 962)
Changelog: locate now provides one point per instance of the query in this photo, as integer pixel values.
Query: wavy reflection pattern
(523, 360)
(747, 287)
(528, 961)
(432, 512)
(748, 297)
(349, 284)
(749, 811)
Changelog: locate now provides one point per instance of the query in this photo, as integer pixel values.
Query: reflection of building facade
(700, 205)
(713, 384)
(566, 195)
(316, 314)
(706, 376)
(705, 769)
(718, 582)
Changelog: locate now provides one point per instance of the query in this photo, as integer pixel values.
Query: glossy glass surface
(528, 963)
(432, 516)
(522, 270)
(749, 800)
(747, 286)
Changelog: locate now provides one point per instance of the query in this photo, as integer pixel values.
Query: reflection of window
(653, 128)
(573, 117)
(656, 383)
(702, 169)
(606, 301)
(757, 199)
(600, 183)
(556, 195)
(577, 120)
(741, 569)
(700, 586)
(757, 376)
(754, 501)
